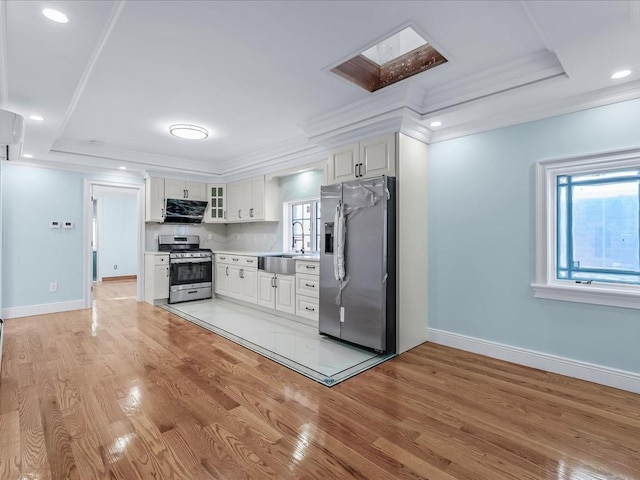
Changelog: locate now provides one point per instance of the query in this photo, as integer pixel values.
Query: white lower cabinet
(249, 277)
(277, 291)
(307, 289)
(156, 277)
(222, 279)
(236, 277)
(307, 307)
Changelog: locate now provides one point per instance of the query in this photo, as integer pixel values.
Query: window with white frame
(302, 232)
(588, 229)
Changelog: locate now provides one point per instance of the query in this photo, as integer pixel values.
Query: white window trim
(546, 284)
(286, 216)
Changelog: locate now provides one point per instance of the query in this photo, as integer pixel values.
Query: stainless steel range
(190, 267)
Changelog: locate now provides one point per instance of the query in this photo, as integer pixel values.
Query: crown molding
(374, 105)
(75, 167)
(540, 67)
(296, 153)
(77, 151)
(540, 111)
(409, 108)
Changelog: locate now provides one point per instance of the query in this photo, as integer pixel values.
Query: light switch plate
(68, 225)
(54, 224)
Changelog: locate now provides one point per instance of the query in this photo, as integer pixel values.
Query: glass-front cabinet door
(217, 209)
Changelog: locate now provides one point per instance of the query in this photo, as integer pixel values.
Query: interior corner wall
(481, 239)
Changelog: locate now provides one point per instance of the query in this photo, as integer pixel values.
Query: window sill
(597, 294)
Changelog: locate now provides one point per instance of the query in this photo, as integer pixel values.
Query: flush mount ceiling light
(190, 132)
(621, 74)
(435, 124)
(395, 58)
(27, 155)
(55, 15)
(37, 118)
(122, 167)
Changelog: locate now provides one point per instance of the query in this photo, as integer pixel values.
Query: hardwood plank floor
(129, 391)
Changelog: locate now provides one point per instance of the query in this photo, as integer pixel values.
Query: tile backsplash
(259, 237)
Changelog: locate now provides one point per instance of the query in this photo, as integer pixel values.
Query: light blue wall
(481, 239)
(118, 235)
(33, 255)
(301, 186)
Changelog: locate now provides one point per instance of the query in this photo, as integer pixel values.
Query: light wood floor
(129, 391)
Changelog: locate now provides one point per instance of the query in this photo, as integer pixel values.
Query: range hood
(184, 211)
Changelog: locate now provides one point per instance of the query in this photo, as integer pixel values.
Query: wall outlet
(53, 287)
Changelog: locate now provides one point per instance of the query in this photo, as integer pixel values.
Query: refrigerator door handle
(338, 244)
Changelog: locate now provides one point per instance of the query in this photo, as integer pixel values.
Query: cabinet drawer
(249, 261)
(307, 307)
(222, 259)
(307, 285)
(310, 268)
(161, 260)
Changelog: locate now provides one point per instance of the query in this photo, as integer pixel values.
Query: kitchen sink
(284, 264)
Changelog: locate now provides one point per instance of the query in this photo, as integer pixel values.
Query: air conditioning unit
(11, 135)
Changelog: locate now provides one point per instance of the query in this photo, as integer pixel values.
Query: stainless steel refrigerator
(358, 262)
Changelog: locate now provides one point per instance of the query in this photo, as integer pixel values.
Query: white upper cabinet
(239, 200)
(154, 200)
(216, 211)
(369, 158)
(343, 163)
(187, 190)
(378, 156)
(253, 200)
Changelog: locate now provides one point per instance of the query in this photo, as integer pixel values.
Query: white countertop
(311, 257)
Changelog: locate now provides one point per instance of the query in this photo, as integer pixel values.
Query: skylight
(395, 46)
(395, 58)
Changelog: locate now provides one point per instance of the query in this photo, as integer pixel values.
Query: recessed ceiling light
(190, 132)
(621, 74)
(27, 155)
(55, 15)
(122, 167)
(37, 118)
(435, 124)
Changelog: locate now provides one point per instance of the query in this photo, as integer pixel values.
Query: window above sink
(301, 228)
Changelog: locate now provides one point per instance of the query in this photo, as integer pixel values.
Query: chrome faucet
(293, 236)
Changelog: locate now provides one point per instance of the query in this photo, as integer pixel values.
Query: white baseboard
(29, 310)
(611, 377)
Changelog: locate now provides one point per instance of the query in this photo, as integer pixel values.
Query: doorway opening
(114, 238)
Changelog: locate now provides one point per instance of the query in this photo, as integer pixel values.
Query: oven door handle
(190, 260)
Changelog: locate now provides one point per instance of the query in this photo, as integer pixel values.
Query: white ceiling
(256, 75)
